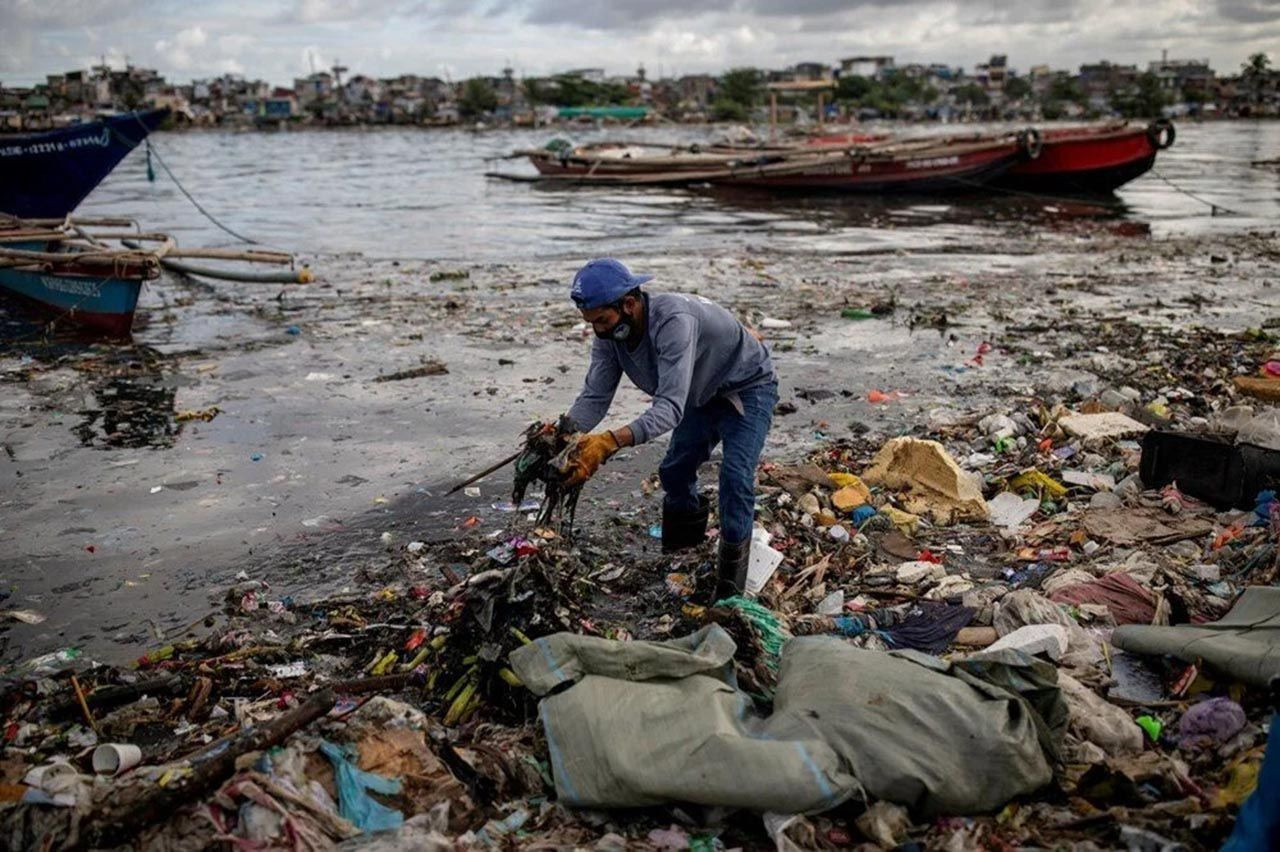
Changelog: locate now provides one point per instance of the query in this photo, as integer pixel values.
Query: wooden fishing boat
(72, 272)
(879, 166)
(1081, 159)
(1090, 159)
(45, 175)
(559, 158)
(918, 166)
(94, 289)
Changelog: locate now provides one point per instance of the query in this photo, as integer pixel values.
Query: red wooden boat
(1092, 159)
(1085, 159)
(881, 166)
(939, 166)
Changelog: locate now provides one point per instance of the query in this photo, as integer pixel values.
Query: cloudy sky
(278, 39)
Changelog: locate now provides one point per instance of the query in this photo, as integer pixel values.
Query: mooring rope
(1213, 207)
(151, 149)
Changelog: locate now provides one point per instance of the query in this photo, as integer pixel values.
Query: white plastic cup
(114, 758)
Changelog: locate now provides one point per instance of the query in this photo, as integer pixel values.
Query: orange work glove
(588, 454)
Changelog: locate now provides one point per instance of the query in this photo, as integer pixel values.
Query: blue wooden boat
(95, 289)
(45, 175)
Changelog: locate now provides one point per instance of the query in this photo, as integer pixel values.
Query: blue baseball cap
(603, 281)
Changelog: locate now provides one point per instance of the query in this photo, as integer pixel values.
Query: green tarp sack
(1244, 643)
(634, 724)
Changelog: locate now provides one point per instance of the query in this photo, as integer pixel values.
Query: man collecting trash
(711, 381)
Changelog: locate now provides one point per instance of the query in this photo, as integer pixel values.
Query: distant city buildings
(860, 86)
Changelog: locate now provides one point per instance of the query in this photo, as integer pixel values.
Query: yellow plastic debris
(851, 495)
(1241, 782)
(1041, 483)
(904, 521)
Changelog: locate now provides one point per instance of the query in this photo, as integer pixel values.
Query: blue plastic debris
(1264, 506)
(293, 329)
(354, 802)
(255, 457)
(862, 514)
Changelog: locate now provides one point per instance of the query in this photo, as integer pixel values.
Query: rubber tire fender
(1161, 132)
(1030, 142)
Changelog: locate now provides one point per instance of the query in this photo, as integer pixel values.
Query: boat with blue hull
(45, 175)
(90, 272)
(73, 278)
(103, 303)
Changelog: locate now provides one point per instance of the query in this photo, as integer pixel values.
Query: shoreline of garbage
(973, 524)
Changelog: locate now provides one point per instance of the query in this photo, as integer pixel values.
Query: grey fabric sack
(644, 723)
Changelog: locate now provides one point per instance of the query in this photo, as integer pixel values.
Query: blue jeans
(1258, 823)
(743, 438)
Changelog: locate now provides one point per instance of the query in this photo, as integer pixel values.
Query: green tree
(744, 86)
(1254, 71)
(972, 94)
(477, 98)
(1067, 89)
(854, 88)
(1062, 91)
(538, 92)
(1017, 88)
(571, 90)
(1145, 99)
(723, 109)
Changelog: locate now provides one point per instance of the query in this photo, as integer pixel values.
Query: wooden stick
(31, 236)
(482, 474)
(231, 254)
(84, 705)
(116, 823)
(89, 221)
(110, 696)
(383, 683)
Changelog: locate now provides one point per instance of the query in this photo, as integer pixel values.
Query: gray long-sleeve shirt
(692, 352)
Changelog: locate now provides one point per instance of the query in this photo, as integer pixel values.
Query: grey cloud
(814, 14)
(349, 11)
(626, 14)
(1250, 11)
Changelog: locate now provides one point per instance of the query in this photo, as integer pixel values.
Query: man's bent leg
(684, 514)
(691, 445)
(744, 436)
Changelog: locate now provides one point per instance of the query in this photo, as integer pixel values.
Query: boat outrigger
(92, 278)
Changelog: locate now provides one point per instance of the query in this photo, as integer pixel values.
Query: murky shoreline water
(413, 193)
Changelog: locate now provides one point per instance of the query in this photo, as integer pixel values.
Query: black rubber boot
(681, 530)
(731, 572)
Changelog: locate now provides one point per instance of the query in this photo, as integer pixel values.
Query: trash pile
(303, 724)
(1044, 627)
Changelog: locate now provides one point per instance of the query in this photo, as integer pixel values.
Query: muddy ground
(119, 523)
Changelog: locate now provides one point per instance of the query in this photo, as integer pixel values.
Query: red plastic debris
(419, 636)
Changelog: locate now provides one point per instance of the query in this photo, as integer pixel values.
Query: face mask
(620, 331)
